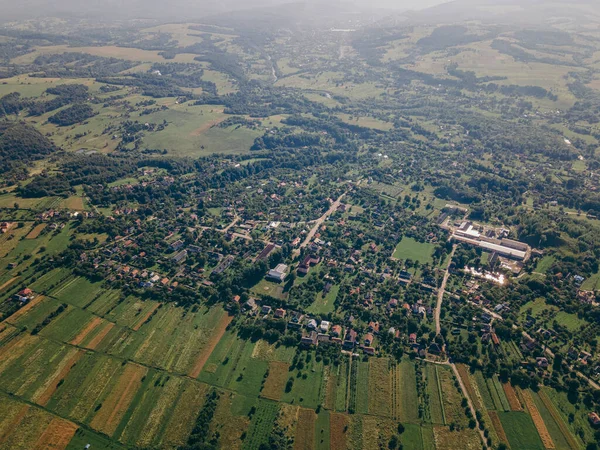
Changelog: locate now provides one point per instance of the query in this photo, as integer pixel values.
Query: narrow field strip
(538, 421)
(101, 335)
(21, 312)
(63, 370)
(559, 421)
(8, 283)
(115, 406)
(56, 436)
(215, 337)
(498, 427)
(33, 234)
(511, 395)
(14, 424)
(87, 330)
(142, 321)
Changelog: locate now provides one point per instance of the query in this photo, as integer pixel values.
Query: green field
(325, 304)
(520, 430)
(408, 248)
(194, 131)
(409, 401)
(592, 283)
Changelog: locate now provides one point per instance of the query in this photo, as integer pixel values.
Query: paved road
(333, 208)
(438, 308)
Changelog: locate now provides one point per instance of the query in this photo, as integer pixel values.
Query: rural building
(279, 313)
(505, 247)
(310, 339)
(278, 273)
(350, 339)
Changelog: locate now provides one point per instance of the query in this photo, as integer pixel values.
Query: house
(368, 339)
(312, 324)
(175, 246)
(542, 362)
(374, 327)
(279, 313)
(350, 339)
(250, 305)
(28, 293)
(594, 419)
(336, 330)
(278, 273)
(495, 339)
(310, 339)
(236, 298)
(265, 310)
(369, 350)
(180, 257)
(307, 263)
(412, 338)
(296, 320)
(324, 327)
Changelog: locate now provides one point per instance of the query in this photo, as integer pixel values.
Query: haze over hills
(178, 9)
(510, 11)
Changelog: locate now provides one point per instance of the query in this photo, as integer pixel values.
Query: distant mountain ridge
(515, 12)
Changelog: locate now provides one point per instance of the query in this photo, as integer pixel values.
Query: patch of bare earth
(214, 339)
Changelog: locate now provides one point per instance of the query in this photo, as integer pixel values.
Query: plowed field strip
(498, 426)
(56, 436)
(216, 336)
(146, 317)
(538, 421)
(14, 424)
(98, 338)
(559, 421)
(87, 330)
(24, 309)
(511, 395)
(45, 397)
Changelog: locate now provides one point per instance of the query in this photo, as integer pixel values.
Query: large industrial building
(503, 247)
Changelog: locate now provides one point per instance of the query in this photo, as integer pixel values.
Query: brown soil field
(142, 321)
(498, 426)
(214, 339)
(8, 283)
(380, 387)
(98, 338)
(36, 231)
(21, 312)
(511, 395)
(207, 126)
(116, 404)
(275, 383)
(305, 430)
(14, 423)
(56, 436)
(87, 330)
(47, 394)
(337, 436)
(463, 371)
(538, 421)
(559, 421)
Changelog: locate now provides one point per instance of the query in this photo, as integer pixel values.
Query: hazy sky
(119, 9)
